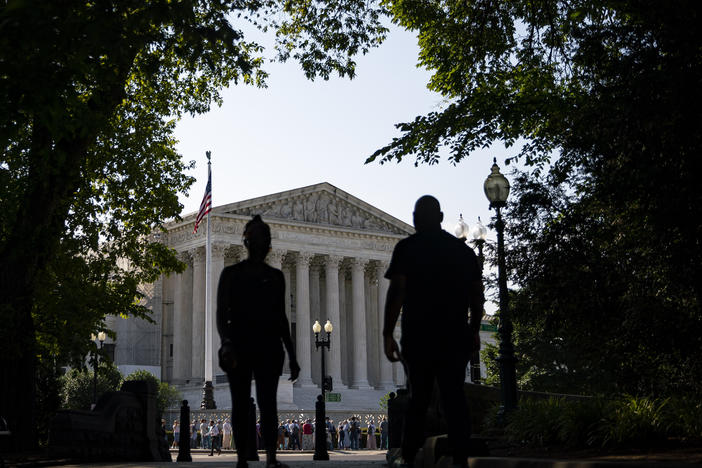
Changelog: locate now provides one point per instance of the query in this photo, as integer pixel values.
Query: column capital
(184, 257)
(219, 249)
(333, 261)
(275, 257)
(358, 263)
(304, 258)
(234, 252)
(198, 254)
(381, 266)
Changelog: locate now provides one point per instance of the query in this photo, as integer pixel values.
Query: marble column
(315, 299)
(360, 364)
(288, 287)
(275, 259)
(216, 267)
(331, 272)
(346, 325)
(182, 321)
(303, 326)
(198, 320)
(288, 290)
(385, 381)
(315, 314)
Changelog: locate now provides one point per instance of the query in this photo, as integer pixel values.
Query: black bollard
(252, 447)
(184, 441)
(320, 431)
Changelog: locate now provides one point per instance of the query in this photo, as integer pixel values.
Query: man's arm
(393, 305)
(477, 302)
(284, 327)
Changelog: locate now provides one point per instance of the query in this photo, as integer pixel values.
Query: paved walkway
(361, 459)
(376, 459)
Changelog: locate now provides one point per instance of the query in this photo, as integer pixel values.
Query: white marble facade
(333, 250)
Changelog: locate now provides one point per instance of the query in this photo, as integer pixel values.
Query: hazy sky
(297, 132)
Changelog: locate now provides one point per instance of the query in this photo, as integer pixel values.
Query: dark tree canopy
(89, 96)
(602, 101)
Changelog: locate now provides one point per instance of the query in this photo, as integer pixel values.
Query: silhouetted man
(253, 327)
(435, 280)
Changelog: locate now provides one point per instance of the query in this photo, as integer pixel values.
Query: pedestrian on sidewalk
(308, 435)
(434, 280)
(251, 296)
(384, 434)
(227, 435)
(371, 444)
(214, 439)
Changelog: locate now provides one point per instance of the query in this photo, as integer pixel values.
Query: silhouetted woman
(253, 327)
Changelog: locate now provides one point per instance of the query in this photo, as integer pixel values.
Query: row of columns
(189, 294)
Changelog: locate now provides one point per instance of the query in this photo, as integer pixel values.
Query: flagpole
(208, 389)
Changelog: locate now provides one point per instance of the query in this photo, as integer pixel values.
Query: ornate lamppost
(497, 190)
(100, 337)
(320, 431)
(478, 233)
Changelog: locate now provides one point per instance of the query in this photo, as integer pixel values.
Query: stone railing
(170, 415)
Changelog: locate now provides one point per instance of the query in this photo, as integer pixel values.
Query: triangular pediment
(320, 204)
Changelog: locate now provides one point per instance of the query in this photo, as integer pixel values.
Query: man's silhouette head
(427, 214)
(257, 238)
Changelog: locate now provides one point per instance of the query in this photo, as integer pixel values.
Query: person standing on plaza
(347, 434)
(384, 434)
(371, 444)
(331, 433)
(214, 439)
(227, 435)
(176, 433)
(307, 435)
(435, 280)
(340, 432)
(355, 430)
(193, 434)
(204, 438)
(251, 296)
(295, 436)
(286, 434)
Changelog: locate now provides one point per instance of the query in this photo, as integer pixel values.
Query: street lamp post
(478, 233)
(101, 337)
(320, 432)
(497, 190)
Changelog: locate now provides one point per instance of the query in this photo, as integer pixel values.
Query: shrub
(77, 385)
(600, 422)
(167, 397)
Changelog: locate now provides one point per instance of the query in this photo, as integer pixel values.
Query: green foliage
(48, 395)
(168, 396)
(601, 100)
(77, 385)
(598, 422)
(90, 94)
(600, 307)
(383, 402)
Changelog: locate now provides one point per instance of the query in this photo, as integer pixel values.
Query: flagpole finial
(209, 155)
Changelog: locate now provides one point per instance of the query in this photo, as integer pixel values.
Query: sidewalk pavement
(376, 459)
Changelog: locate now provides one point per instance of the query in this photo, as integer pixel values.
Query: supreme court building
(333, 249)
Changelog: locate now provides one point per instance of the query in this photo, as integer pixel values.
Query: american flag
(206, 205)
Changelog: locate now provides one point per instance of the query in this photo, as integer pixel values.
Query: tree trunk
(54, 174)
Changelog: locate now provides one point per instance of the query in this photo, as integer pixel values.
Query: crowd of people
(292, 435)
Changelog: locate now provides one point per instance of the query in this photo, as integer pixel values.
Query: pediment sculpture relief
(320, 208)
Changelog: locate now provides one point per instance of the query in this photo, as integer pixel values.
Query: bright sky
(298, 132)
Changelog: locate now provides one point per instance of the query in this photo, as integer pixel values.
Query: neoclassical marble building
(333, 249)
